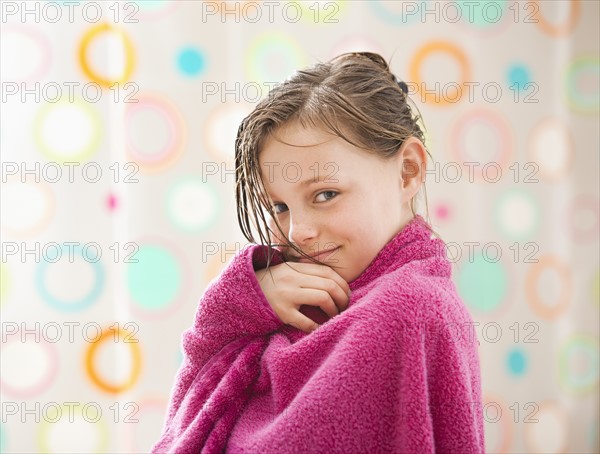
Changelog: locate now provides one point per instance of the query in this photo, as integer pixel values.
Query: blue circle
(518, 75)
(190, 61)
(517, 362)
(70, 306)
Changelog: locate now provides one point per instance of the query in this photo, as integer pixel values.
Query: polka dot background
(118, 206)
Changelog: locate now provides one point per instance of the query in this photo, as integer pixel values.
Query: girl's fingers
(328, 273)
(302, 322)
(320, 298)
(334, 292)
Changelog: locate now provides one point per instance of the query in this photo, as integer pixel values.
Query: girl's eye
(276, 205)
(284, 206)
(328, 192)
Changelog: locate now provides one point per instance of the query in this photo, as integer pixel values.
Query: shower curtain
(117, 203)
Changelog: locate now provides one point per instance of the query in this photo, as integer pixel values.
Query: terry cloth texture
(396, 372)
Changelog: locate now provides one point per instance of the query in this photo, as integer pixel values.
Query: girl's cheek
(275, 234)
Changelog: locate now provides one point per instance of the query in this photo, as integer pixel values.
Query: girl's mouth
(320, 256)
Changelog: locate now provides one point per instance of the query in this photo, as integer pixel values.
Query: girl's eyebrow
(309, 182)
(312, 181)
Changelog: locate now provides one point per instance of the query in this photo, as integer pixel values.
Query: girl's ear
(412, 160)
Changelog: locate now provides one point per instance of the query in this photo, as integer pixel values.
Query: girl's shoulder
(408, 296)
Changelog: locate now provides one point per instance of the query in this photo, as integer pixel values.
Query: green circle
(190, 225)
(571, 382)
(506, 198)
(584, 103)
(151, 5)
(479, 15)
(155, 280)
(483, 284)
(269, 44)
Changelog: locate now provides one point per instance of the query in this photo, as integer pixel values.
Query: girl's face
(328, 194)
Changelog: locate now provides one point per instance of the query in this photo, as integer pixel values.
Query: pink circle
(169, 113)
(497, 123)
(442, 211)
(112, 202)
(147, 105)
(584, 201)
(33, 391)
(41, 40)
(145, 405)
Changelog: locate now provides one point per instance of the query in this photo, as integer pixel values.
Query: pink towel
(396, 372)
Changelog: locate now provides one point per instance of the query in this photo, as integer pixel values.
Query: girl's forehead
(304, 152)
(295, 136)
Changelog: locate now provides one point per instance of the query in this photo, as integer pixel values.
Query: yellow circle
(92, 34)
(443, 47)
(46, 427)
(4, 283)
(85, 111)
(135, 369)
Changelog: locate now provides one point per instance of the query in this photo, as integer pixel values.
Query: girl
(347, 334)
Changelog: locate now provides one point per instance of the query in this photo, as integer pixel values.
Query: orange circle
(531, 290)
(90, 35)
(507, 431)
(95, 377)
(445, 47)
(557, 30)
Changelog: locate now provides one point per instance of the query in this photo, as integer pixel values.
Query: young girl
(344, 333)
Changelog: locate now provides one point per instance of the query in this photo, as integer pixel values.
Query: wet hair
(354, 96)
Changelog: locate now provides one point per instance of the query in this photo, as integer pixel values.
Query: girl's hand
(289, 285)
